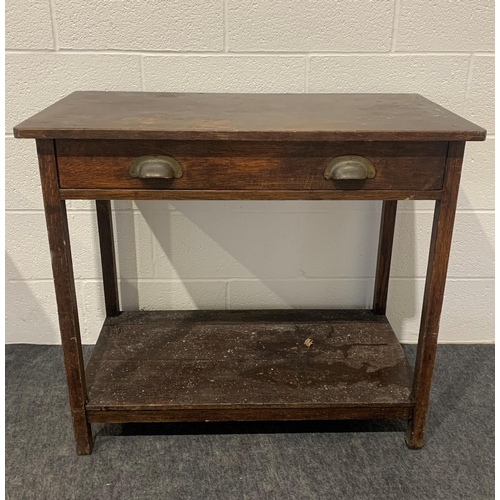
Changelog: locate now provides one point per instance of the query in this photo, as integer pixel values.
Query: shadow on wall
(230, 255)
(27, 305)
(405, 295)
(471, 257)
(301, 254)
(308, 255)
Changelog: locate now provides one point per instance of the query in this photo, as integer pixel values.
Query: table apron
(165, 194)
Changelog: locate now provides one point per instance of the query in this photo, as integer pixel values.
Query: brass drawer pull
(155, 167)
(350, 168)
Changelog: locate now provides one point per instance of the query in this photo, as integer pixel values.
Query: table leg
(108, 261)
(442, 230)
(386, 238)
(62, 268)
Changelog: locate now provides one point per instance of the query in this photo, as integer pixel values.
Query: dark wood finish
(62, 268)
(442, 231)
(108, 261)
(297, 316)
(248, 361)
(224, 414)
(247, 365)
(158, 194)
(254, 117)
(386, 238)
(237, 165)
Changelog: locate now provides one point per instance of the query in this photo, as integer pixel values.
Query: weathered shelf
(247, 365)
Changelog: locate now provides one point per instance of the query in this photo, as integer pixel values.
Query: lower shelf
(247, 365)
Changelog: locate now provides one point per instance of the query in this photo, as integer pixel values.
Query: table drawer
(247, 165)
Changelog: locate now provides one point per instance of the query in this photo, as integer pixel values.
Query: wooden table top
(261, 117)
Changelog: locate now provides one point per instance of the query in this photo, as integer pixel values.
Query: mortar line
(225, 25)
(395, 24)
(306, 82)
(81, 298)
(228, 296)
(141, 64)
(216, 53)
(470, 69)
(55, 35)
(154, 255)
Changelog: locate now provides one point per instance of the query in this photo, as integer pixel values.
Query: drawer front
(247, 165)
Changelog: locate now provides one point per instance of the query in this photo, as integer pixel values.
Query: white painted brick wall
(246, 254)
(441, 78)
(225, 73)
(175, 25)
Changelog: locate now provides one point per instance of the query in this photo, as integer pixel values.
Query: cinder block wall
(250, 254)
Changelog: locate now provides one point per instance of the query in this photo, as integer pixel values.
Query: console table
(164, 366)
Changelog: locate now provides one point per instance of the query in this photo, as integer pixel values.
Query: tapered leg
(108, 261)
(386, 238)
(62, 268)
(442, 230)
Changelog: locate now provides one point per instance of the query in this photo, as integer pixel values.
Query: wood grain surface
(238, 165)
(224, 413)
(247, 360)
(384, 256)
(64, 283)
(262, 117)
(247, 365)
(108, 259)
(437, 267)
(264, 194)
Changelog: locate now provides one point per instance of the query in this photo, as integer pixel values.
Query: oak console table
(161, 366)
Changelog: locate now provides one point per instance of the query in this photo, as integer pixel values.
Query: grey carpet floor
(311, 460)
